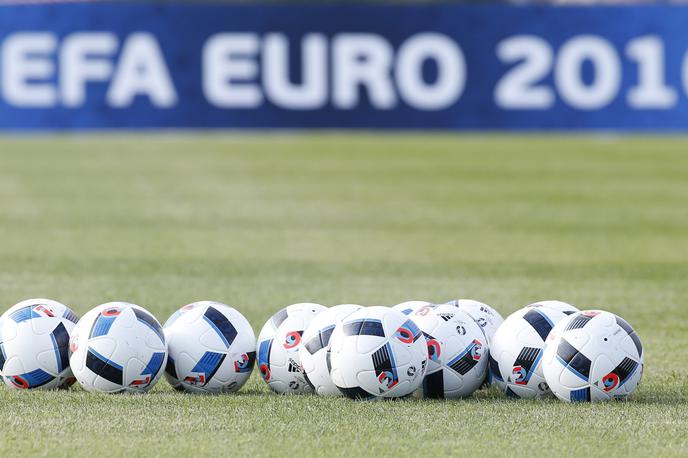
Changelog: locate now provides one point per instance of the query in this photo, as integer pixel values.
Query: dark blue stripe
(103, 367)
(60, 338)
(539, 322)
(150, 321)
(364, 328)
(320, 341)
(224, 328)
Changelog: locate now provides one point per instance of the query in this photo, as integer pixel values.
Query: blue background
(182, 30)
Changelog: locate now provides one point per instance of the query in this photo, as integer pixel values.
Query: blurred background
(374, 65)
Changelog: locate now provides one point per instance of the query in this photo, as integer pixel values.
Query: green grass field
(262, 221)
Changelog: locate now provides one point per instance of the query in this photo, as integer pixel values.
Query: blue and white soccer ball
(278, 348)
(516, 351)
(457, 352)
(410, 307)
(378, 352)
(34, 345)
(315, 351)
(211, 348)
(593, 356)
(118, 347)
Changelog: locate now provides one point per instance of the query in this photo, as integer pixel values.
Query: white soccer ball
(409, 307)
(211, 348)
(314, 353)
(457, 352)
(278, 348)
(118, 347)
(34, 345)
(377, 352)
(487, 317)
(593, 356)
(516, 351)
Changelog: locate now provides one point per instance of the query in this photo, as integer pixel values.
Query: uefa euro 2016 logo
(404, 335)
(476, 350)
(387, 378)
(434, 350)
(610, 381)
(520, 374)
(243, 364)
(292, 339)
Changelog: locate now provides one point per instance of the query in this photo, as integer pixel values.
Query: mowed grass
(261, 221)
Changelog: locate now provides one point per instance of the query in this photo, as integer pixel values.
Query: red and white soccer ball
(278, 348)
(378, 352)
(34, 345)
(118, 347)
(315, 351)
(211, 348)
(516, 351)
(457, 352)
(593, 356)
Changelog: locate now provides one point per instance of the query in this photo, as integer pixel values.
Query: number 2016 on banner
(533, 59)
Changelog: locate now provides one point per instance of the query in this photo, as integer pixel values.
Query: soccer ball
(593, 356)
(278, 348)
(118, 347)
(34, 345)
(315, 351)
(457, 352)
(409, 307)
(487, 317)
(516, 351)
(377, 352)
(211, 348)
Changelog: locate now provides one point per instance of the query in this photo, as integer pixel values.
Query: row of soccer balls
(450, 350)
(438, 351)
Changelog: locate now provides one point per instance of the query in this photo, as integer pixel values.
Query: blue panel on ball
(582, 395)
(222, 326)
(33, 379)
(60, 338)
(22, 314)
(154, 365)
(208, 365)
(102, 325)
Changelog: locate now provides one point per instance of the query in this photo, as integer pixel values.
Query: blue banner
(95, 66)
